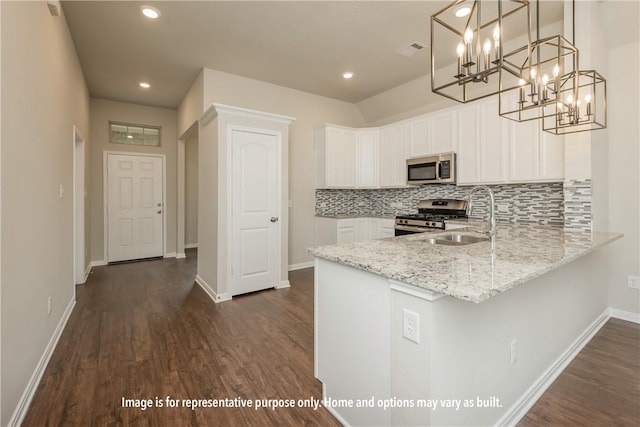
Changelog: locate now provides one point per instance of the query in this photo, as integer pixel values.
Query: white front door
(256, 209)
(134, 207)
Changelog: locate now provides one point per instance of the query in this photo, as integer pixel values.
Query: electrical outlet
(61, 191)
(514, 351)
(49, 303)
(633, 281)
(411, 325)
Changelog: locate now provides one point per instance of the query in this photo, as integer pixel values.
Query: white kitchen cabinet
(386, 228)
(551, 156)
(433, 133)
(482, 143)
(524, 151)
(346, 230)
(367, 158)
(335, 157)
(393, 164)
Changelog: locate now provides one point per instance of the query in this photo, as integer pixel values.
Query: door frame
(230, 218)
(105, 197)
(80, 270)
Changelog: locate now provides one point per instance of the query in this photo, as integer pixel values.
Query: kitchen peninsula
(405, 321)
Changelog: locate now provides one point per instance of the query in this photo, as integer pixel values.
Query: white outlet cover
(411, 325)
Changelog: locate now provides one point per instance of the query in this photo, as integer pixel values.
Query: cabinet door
(340, 158)
(346, 231)
(373, 228)
(493, 143)
(367, 155)
(393, 163)
(443, 132)
(386, 228)
(362, 229)
(418, 137)
(551, 156)
(468, 156)
(524, 149)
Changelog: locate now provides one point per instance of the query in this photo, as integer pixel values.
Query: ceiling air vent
(410, 49)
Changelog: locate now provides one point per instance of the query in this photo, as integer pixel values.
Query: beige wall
(43, 96)
(101, 112)
(192, 105)
(310, 112)
(191, 189)
(624, 179)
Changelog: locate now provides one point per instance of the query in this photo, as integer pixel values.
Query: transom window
(126, 133)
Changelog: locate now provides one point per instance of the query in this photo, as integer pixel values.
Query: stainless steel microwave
(436, 169)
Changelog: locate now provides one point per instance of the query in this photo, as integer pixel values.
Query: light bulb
(462, 11)
(487, 46)
(468, 35)
(587, 98)
(460, 49)
(532, 73)
(545, 79)
(570, 99)
(560, 105)
(556, 71)
(521, 82)
(496, 33)
(578, 102)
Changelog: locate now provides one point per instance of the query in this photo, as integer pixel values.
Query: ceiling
(304, 45)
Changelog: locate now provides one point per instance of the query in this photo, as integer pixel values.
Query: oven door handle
(416, 229)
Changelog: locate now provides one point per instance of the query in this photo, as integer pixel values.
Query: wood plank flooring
(145, 330)
(600, 387)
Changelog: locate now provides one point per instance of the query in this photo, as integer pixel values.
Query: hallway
(145, 330)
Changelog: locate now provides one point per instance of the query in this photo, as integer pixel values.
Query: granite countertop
(349, 216)
(471, 272)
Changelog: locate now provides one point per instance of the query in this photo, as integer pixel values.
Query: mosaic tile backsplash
(540, 203)
(577, 204)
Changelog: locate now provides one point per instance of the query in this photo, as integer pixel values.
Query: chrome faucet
(491, 229)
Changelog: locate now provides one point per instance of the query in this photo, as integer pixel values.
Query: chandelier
(471, 34)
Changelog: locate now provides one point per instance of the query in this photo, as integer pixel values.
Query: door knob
(159, 211)
(274, 219)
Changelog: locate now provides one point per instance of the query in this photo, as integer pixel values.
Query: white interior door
(135, 207)
(78, 207)
(256, 209)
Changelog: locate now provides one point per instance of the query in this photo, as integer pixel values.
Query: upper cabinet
(433, 133)
(367, 158)
(393, 155)
(492, 149)
(335, 157)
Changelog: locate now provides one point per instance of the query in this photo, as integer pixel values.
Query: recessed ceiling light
(463, 11)
(145, 85)
(130, 136)
(347, 75)
(150, 12)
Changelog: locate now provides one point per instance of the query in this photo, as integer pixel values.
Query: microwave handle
(438, 170)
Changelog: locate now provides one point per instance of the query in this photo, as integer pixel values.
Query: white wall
(624, 179)
(101, 112)
(310, 111)
(43, 96)
(191, 190)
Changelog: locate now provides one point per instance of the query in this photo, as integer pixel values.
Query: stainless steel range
(432, 216)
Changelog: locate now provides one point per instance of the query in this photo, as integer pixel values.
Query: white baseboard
(169, 255)
(87, 271)
(181, 255)
(209, 290)
(99, 263)
(283, 284)
(25, 400)
(629, 316)
(520, 408)
(190, 245)
(300, 265)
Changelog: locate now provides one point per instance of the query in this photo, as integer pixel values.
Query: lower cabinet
(333, 230)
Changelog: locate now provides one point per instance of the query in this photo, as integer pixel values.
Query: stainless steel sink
(456, 240)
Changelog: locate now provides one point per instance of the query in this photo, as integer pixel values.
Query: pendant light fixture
(544, 71)
(582, 100)
(467, 45)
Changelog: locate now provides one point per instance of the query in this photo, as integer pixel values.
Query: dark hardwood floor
(145, 330)
(600, 387)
